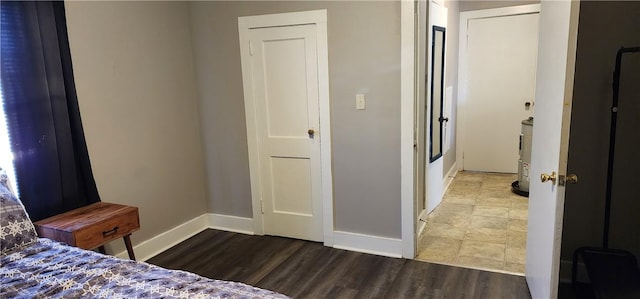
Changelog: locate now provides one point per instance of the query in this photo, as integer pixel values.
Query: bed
(32, 267)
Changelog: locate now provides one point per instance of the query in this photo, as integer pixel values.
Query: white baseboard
(422, 222)
(448, 179)
(342, 240)
(168, 239)
(231, 223)
(155, 245)
(368, 244)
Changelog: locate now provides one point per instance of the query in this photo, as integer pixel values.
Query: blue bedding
(48, 269)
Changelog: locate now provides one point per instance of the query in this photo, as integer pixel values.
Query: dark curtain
(50, 153)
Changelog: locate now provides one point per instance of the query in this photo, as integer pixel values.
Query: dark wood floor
(302, 269)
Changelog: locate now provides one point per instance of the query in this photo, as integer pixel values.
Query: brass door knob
(567, 179)
(548, 177)
(311, 132)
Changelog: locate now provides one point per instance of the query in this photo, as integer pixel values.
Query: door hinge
(261, 206)
(250, 48)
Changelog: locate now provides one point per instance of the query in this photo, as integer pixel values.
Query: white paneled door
(284, 70)
(554, 93)
(501, 76)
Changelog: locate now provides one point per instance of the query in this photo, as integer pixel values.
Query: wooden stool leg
(127, 242)
(102, 250)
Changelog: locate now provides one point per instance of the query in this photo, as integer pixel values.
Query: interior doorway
(479, 222)
(501, 56)
(285, 78)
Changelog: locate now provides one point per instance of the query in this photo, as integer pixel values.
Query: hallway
(480, 224)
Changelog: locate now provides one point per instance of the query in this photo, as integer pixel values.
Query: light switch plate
(360, 101)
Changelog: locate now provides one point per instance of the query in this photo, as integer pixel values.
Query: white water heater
(521, 186)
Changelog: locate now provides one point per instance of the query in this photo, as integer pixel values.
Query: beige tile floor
(479, 224)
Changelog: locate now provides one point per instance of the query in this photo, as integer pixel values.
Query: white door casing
(492, 94)
(408, 72)
(420, 126)
(501, 72)
(554, 92)
(285, 76)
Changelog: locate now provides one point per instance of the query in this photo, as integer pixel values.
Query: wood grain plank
(331, 275)
(371, 275)
(183, 255)
(300, 271)
(304, 269)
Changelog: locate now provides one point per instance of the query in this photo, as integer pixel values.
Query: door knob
(548, 177)
(311, 132)
(567, 179)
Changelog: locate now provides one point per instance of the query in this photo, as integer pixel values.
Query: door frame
(465, 17)
(408, 204)
(319, 19)
(407, 113)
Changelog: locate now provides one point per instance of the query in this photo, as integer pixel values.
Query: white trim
(163, 241)
(167, 239)
(368, 244)
(283, 19)
(319, 18)
(448, 179)
(342, 240)
(229, 223)
(439, 2)
(501, 11)
(325, 128)
(252, 143)
(422, 222)
(407, 115)
(462, 62)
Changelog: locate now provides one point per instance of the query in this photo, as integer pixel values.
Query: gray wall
(604, 27)
(136, 88)
(364, 57)
(467, 5)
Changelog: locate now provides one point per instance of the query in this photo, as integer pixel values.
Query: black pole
(612, 141)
